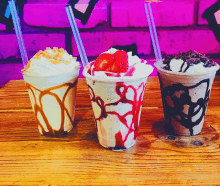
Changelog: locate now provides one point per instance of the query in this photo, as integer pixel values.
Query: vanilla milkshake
(116, 82)
(51, 78)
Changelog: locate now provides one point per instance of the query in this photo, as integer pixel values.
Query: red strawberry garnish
(117, 63)
(103, 62)
(121, 61)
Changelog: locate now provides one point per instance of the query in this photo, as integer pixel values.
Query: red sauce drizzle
(136, 106)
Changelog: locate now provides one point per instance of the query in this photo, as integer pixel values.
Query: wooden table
(27, 158)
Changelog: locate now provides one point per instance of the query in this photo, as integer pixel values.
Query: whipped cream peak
(51, 62)
(111, 51)
(132, 59)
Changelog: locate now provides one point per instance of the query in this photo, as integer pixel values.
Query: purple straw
(76, 34)
(153, 34)
(18, 32)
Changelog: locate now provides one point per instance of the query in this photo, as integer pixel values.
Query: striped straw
(153, 34)
(76, 34)
(18, 32)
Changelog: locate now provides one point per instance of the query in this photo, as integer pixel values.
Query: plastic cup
(116, 104)
(53, 101)
(185, 99)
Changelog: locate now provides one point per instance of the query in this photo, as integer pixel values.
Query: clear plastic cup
(116, 104)
(53, 101)
(185, 99)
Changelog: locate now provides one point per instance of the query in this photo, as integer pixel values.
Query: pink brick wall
(9, 47)
(172, 42)
(54, 15)
(165, 15)
(179, 24)
(208, 44)
(36, 42)
(33, 43)
(98, 42)
(204, 41)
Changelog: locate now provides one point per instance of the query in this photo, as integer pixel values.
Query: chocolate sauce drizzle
(135, 111)
(39, 108)
(189, 58)
(174, 109)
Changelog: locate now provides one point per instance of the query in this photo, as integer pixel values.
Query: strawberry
(121, 61)
(103, 62)
(117, 63)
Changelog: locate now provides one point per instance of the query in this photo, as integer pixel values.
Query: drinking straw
(153, 33)
(76, 34)
(18, 32)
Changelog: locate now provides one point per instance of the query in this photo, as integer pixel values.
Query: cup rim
(111, 79)
(186, 74)
(76, 71)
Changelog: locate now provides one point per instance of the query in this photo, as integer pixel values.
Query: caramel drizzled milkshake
(51, 78)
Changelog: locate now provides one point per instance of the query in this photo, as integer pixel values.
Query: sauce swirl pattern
(38, 108)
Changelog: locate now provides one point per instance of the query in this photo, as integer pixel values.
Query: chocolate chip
(203, 59)
(190, 57)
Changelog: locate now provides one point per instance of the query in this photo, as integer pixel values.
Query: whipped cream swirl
(51, 62)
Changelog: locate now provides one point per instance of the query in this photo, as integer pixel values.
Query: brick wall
(180, 27)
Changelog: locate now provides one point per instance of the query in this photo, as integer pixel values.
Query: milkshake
(116, 81)
(186, 81)
(51, 78)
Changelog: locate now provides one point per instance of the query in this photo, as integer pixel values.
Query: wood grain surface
(158, 158)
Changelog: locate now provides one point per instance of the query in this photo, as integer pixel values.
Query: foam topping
(51, 62)
(191, 62)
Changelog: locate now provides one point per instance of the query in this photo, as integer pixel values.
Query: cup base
(186, 133)
(55, 134)
(177, 129)
(119, 148)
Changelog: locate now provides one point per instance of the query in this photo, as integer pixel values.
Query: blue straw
(153, 33)
(18, 32)
(76, 34)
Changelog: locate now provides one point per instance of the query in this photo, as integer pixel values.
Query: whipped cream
(137, 67)
(51, 62)
(178, 65)
(190, 63)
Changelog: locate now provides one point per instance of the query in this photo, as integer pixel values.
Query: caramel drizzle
(38, 108)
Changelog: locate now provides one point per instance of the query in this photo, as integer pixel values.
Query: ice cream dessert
(186, 81)
(51, 78)
(116, 82)
(191, 62)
